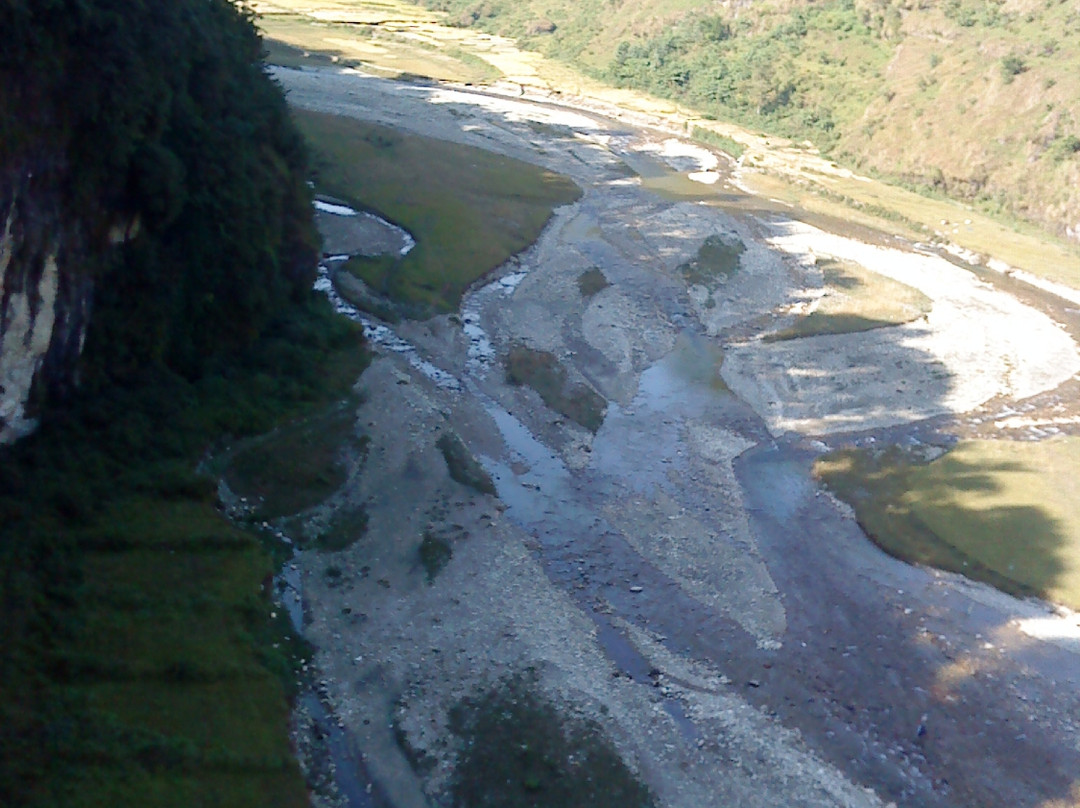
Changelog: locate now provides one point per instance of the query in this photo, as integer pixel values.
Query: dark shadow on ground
(891, 672)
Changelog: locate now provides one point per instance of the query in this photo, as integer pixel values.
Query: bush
(1012, 66)
(463, 467)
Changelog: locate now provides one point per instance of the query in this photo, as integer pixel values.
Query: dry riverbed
(675, 580)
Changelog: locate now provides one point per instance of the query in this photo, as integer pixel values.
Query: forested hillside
(979, 101)
(157, 253)
(154, 120)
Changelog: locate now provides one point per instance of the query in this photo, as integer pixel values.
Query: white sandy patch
(1021, 422)
(337, 210)
(976, 343)
(514, 110)
(699, 163)
(1061, 630)
(1059, 289)
(704, 177)
(673, 148)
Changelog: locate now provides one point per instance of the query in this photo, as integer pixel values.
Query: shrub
(1012, 66)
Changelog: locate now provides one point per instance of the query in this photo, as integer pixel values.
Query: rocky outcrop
(45, 302)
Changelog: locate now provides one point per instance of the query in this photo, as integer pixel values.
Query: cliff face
(44, 303)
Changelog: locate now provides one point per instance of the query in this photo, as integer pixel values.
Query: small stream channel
(355, 788)
(582, 553)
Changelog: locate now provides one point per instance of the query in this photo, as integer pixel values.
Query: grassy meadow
(1003, 512)
(439, 192)
(388, 38)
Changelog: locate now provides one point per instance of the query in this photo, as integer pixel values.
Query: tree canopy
(159, 115)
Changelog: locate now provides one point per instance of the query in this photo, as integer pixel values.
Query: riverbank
(674, 578)
(400, 39)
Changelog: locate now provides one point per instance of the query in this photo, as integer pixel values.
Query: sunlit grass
(469, 210)
(390, 38)
(1004, 512)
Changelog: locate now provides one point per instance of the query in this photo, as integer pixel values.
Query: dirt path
(677, 576)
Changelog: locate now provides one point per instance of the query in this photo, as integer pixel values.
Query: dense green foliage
(977, 101)
(141, 664)
(160, 114)
(773, 70)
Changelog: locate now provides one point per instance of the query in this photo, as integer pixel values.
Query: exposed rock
(45, 301)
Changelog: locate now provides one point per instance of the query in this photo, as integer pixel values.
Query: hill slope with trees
(157, 253)
(977, 101)
(154, 124)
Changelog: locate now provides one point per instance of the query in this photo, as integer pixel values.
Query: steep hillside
(156, 262)
(151, 125)
(979, 101)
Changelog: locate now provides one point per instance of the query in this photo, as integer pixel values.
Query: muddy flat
(675, 575)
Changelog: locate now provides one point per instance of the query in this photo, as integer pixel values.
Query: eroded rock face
(45, 303)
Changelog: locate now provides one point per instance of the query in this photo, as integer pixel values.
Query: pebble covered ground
(676, 576)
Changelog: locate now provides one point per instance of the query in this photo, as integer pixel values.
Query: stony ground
(677, 576)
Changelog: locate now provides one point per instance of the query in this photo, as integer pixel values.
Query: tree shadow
(955, 515)
(896, 670)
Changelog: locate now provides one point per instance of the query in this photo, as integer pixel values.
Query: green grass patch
(592, 281)
(469, 210)
(226, 576)
(127, 783)
(142, 665)
(286, 55)
(856, 299)
(350, 283)
(520, 751)
(463, 467)
(435, 553)
(1003, 512)
(387, 44)
(345, 527)
(726, 144)
(480, 70)
(297, 466)
(541, 371)
(716, 261)
(256, 704)
(374, 270)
